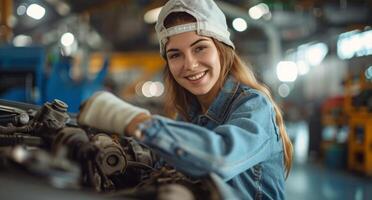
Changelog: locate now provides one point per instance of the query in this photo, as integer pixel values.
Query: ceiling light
(316, 53)
(67, 39)
(284, 90)
(239, 24)
(21, 10)
(22, 40)
(35, 11)
(258, 11)
(146, 89)
(302, 67)
(286, 71)
(159, 88)
(354, 44)
(152, 89)
(62, 8)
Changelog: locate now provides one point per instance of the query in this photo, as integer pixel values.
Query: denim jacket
(236, 138)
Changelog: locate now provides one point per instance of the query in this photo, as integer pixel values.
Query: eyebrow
(192, 44)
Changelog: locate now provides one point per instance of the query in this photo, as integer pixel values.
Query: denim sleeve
(228, 150)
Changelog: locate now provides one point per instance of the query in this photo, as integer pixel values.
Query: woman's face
(193, 61)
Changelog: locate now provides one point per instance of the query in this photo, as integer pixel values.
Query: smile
(196, 76)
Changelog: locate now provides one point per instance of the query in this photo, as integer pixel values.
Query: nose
(190, 62)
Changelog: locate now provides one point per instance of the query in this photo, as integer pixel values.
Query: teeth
(196, 77)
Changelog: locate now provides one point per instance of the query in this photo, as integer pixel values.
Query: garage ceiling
(121, 26)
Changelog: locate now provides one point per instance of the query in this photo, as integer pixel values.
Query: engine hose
(9, 118)
(11, 140)
(18, 119)
(15, 129)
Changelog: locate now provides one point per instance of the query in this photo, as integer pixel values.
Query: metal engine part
(101, 148)
(99, 156)
(110, 157)
(51, 117)
(13, 115)
(47, 144)
(69, 138)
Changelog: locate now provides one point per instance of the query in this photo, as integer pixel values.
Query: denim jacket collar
(217, 110)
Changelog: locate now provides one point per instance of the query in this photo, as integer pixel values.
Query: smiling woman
(194, 63)
(227, 122)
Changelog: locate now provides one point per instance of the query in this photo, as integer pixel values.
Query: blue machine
(23, 78)
(21, 73)
(61, 86)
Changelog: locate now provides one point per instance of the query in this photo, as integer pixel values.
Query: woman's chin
(199, 91)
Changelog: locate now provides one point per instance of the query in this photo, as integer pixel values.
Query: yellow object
(360, 127)
(352, 88)
(149, 63)
(360, 143)
(6, 8)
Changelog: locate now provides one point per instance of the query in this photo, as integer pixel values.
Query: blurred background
(315, 56)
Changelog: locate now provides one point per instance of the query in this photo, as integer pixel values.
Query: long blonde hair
(179, 99)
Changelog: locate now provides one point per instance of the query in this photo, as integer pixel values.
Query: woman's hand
(132, 130)
(107, 112)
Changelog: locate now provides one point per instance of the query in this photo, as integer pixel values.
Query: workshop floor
(315, 181)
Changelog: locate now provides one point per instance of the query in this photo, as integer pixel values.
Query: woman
(227, 123)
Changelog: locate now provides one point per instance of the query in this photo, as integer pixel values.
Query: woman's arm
(132, 128)
(246, 139)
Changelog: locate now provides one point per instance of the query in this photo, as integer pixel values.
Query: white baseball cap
(210, 21)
